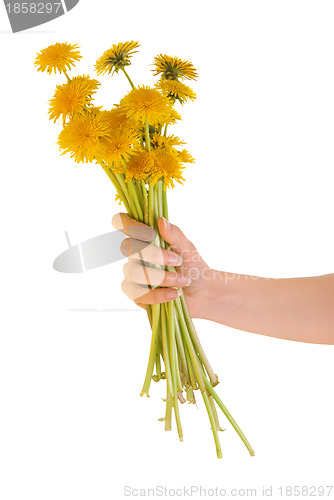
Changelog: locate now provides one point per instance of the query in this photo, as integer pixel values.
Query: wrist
(220, 294)
(208, 293)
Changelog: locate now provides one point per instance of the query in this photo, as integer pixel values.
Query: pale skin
(299, 309)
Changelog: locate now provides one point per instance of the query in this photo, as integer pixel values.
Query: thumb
(175, 237)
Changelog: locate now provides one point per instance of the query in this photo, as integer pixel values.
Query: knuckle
(161, 295)
(115, 221)
(131, 272)
(124, 286)
(134, 272)
(148, 254)
(170, 277)
(124, 247)
(126, 269)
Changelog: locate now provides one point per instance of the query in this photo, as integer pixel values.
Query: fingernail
(173, 294)
(166, 224)
(175, 259)
(183, 280)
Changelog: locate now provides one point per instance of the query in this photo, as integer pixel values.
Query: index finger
(133, 228)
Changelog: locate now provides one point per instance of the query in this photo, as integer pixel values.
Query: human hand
(191, 272)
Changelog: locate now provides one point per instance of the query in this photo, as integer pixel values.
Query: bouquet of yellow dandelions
(131, 144)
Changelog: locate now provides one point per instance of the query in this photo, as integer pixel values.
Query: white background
(259, 200)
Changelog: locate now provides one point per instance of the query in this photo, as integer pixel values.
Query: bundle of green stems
(175, 352)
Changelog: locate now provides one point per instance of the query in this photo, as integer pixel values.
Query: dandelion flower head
(176, 90)
(57, 57)
(167, 166)
(116, 148)
(74, 96)
(146, 104)
(140, 165)
(173, 68)
(117, 118)
(81, 136)
(116, 58)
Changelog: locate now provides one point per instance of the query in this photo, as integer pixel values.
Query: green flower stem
(152, 212)
(134, 213)
(160, 341)
(128, 78)
(177, 415)
(192, 378)
(168, 415)
(194, 358)
(177, 369)
(65, 73)
(158, 365)
(164, 202)
(147, 137)
(159, 375)
(213, 425)
(227, 414)
(149, 216)
(119, 190)
(174, 368)
(171, 333)
(164, 332)
(159, 198)
(151, 206)
(165, 131)
(156, 214)
(190, 395)
(134, 196)
(181, 350)
(184, 384)
(172, 347)
(140, 194)
(214, 411)
(145, 198)
(153, 349)
(159, 354)
(213, 377)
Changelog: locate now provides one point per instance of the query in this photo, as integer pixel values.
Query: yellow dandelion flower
(185, 157)
(140, 165)
(173, 68)
(173, 117)
(167, 166)
(176, 90)
(72, 97)
(116, 58)
(169, 141)
(117, 147)
(117, 118)
(59, 56)
(146, 104)
(81, 136)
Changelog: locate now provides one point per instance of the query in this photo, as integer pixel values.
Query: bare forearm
(300, 309)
